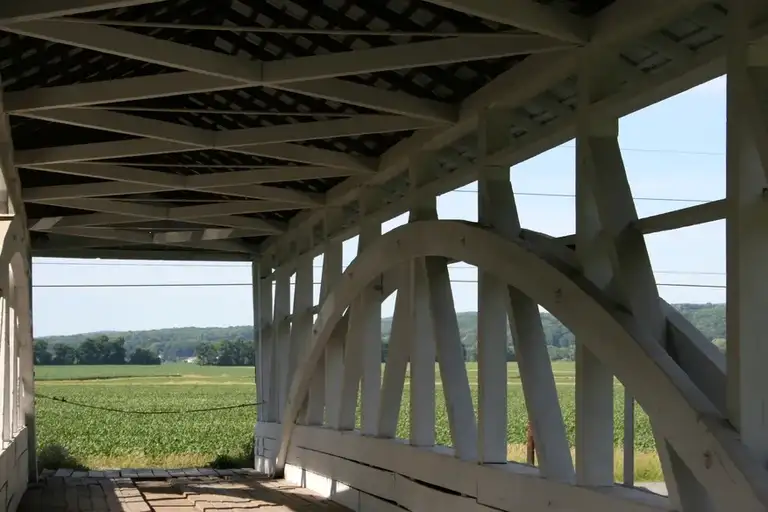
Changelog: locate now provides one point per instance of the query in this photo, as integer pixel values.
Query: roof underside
(248, 136)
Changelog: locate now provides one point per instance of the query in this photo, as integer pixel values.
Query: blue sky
(675, 149)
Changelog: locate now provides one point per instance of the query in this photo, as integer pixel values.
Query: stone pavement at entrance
(185, 490)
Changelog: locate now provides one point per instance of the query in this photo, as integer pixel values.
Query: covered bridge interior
(272, 130)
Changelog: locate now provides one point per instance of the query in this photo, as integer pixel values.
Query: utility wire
(210, 285)
(126, 411)
(248, 266)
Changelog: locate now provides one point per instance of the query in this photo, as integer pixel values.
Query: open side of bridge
(270, 131)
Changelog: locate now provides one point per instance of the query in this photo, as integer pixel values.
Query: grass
(100, 439)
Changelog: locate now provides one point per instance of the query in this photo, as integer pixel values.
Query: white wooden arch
(688, 420)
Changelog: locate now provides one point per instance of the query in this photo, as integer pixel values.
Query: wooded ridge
(175, 344)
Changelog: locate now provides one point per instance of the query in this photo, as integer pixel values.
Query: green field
(101, 439)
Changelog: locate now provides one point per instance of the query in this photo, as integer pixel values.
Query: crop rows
(97, 437)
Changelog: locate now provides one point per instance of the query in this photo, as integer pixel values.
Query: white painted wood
(528, 80)
(746, 244)
(450, 356)
(14, 360)
(41, 9)
(624, 247)
(423, 357)
(318, 394)
(422, 341)
(334, 352)
(301, 323)
(511, 487)
(400, 339)
(524, 14)
(594, 380)
(281, 334)
(370, 338)
(264, 343)
(493, 133)
(535, 368)
(5, 354)
(682, 413)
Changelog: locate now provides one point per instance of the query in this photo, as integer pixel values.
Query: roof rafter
(29, 10)
(302, 69)
(183, 239)
(252, 141)
(534, 75)
(524, 14)
(256, 226)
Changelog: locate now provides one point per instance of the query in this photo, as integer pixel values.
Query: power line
(128, 411)
(658, 150)
(248, 266)
(211, 285)
(552, 194)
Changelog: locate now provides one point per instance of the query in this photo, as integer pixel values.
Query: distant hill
(179, 343)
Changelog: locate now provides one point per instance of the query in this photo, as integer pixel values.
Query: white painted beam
(746, 241)
(493, 134)
(14, 12)
(128, 125)
(399, 348)
(450, 357)
(334, 352)
(689, 422)
(525, 14)
(98, 151)
(412, 55)
(393, 102)
(369, 335)
(498, 211)
(133, 180)
(127, 44)
(594, 380)
(423, 348)
(135, 237)
(118, 90)
(534, 75)
(256, 226)
(294, 132)
(281, 336)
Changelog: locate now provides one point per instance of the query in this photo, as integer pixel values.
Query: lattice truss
(140, 139)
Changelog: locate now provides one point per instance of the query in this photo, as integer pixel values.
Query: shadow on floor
(151, 490)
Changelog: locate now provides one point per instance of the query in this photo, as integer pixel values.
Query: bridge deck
(167, 491)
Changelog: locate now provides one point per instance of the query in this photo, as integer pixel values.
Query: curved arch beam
(687, 419)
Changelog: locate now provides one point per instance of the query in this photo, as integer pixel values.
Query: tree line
(95, 350)
(226, 353)
(206, 342)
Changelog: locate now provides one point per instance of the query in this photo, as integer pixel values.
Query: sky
(674, 150)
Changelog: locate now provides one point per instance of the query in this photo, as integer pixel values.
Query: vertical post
(538, 381)
(334, 350)
(24, 301)
(6, 357)
(397, 359)
(493, 135)
(14, 358)
(262, 316)
(281, 335)
(362, 348)
(594, 381)
(370, 386)
(301, 329)
(330, 277)
(746, 240)
(422, 341)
